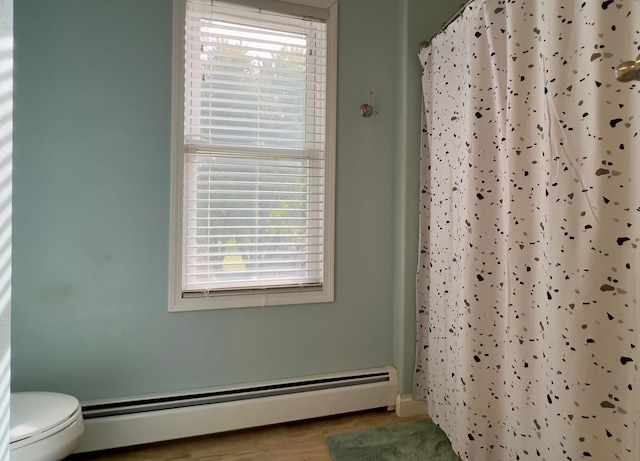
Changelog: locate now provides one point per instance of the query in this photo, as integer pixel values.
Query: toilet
(45, 426)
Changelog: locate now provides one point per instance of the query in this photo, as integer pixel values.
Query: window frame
(258, 297)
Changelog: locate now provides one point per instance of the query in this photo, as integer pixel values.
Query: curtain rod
(426, 43)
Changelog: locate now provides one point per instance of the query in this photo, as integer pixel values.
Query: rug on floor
(413, 441)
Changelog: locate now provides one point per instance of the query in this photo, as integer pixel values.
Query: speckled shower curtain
(530, 225)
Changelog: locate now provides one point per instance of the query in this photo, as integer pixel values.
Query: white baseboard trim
(136, 428)
(406, 406)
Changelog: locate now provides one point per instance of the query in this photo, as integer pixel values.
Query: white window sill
(261, 299)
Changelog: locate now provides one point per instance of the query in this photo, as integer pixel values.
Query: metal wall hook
(366, 110)
(628, 70)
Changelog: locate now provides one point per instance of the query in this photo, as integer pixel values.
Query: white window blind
(254, 150)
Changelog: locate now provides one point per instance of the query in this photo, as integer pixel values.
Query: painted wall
(418, 20)
(6, 122)
(92, 142)
(91, 211)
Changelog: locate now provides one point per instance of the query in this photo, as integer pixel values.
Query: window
(253, 154)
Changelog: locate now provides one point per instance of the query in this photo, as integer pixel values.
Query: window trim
(258, 297)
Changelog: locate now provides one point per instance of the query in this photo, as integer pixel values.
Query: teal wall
(91, 213)
(417, 21)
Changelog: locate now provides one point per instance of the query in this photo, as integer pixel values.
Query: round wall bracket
(367, 110)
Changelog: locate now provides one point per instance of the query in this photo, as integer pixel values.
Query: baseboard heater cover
(147, 419)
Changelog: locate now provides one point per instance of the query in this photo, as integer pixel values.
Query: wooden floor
(302, 441)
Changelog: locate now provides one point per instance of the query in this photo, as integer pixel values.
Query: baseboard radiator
(126, 422)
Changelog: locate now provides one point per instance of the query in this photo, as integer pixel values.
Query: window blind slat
(259, 245)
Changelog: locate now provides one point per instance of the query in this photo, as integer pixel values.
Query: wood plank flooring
(300, 441)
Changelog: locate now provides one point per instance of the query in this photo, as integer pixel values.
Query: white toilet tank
(45, 426)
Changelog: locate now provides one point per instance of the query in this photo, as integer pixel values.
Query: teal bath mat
(413, 441)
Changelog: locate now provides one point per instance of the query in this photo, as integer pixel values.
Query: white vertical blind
(254, 149)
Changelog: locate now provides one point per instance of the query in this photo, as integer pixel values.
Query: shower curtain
(530, 225)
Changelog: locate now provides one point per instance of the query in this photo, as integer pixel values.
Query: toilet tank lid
(36, 412)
